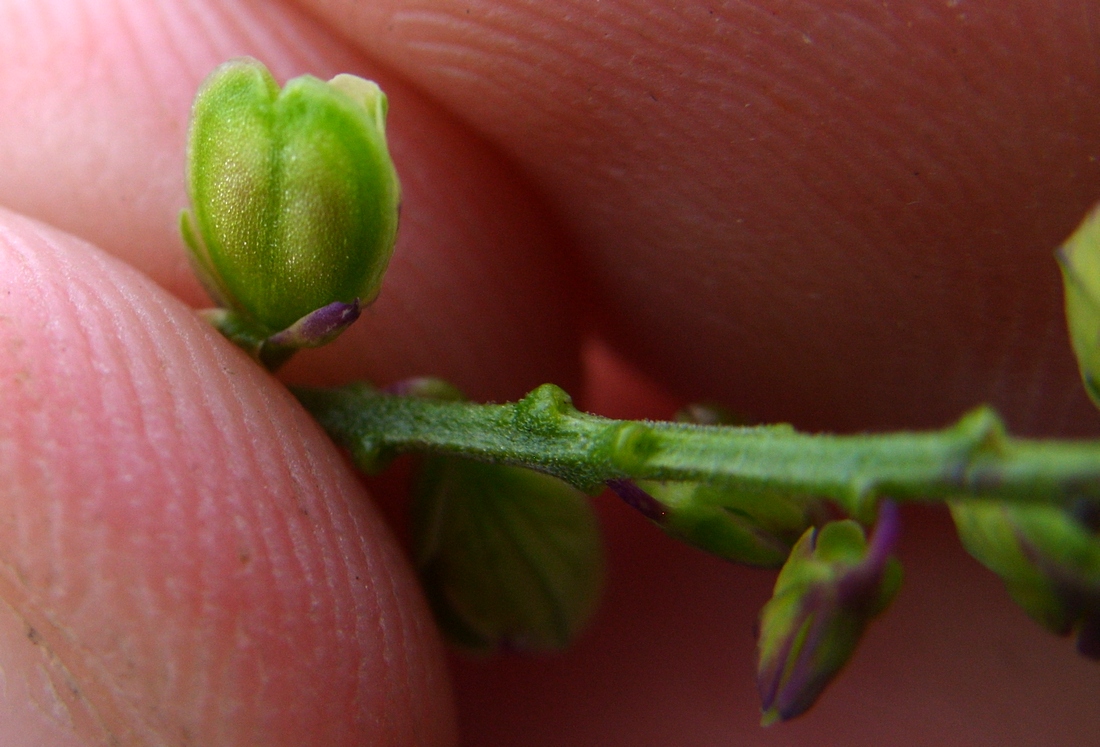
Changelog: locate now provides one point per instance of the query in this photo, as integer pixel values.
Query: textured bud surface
(294, 195)
(740, 525)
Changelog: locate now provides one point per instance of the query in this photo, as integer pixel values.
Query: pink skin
(836, 213)
(186, 559)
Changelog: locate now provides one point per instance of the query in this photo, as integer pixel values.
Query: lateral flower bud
(1079, 259)
(743, 526)
(752, 528)
(1048, 559)
(294, 201)
(833, 584)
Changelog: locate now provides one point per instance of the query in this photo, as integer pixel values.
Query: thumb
(184, 558)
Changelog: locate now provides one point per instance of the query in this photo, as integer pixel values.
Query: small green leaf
(509, 557)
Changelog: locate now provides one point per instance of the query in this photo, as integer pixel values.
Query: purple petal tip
(638, 499)
(318, 327)
(1088, 639)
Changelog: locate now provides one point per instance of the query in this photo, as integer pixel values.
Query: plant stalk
(543, 431)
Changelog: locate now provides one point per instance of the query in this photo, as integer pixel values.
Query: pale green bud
(1048, 558)
(294, 198)
(756, 528)
(743, 526)
(832, 585)
(1079, 259)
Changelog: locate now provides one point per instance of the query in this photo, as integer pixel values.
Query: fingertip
(837, 214)
(192, 555)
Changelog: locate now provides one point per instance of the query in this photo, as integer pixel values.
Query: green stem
(543, 431)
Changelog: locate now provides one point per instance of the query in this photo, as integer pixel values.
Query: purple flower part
(884, 537)
(638, 499)
(427, 387)
(404, 388)
(769, 679)
(807, 679)
(318, 327)
(861, 584)
(829, 614)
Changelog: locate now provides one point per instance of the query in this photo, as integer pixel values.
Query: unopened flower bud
(743, 526)
(1079, 259)
(708, 413)
(833, 584)
(294, 199)
(1048, 558)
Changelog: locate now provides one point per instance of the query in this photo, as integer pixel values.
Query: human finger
(184, 557)
(839, 214)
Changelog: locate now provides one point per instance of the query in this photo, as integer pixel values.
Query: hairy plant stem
(543, 431)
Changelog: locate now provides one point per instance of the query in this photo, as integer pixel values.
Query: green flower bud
(833, 584)
(509, 557)
(752, 528)
(743, 526)
(294, 199)
(1048, 558)
(1079, 259)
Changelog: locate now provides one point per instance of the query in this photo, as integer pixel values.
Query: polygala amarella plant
(294, 205)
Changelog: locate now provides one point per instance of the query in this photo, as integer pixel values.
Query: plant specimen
(293, 219)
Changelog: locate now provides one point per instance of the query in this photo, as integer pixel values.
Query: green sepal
(1079, 259)
(1047, 558)
(509, 557)
(832, 585)
(200, 261)
(753, 528)
(294, 195)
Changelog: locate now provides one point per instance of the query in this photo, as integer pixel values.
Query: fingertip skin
(838, 213)
(184, 557)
